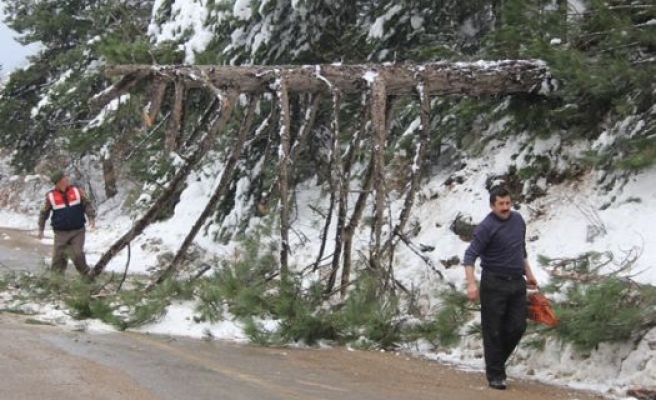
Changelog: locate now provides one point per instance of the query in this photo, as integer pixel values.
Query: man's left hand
(92, 225)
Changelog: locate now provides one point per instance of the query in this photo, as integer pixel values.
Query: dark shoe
(498, 384)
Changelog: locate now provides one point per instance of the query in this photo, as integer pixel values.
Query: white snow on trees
(378, 30)
(188, 16)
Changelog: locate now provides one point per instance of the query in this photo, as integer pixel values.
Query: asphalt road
(44, 362)
(22, 251)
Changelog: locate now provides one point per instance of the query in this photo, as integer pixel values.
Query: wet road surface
(44, 362)
(22, 251)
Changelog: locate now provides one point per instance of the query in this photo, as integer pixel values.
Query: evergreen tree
(421, 30)
(43, 110)
(603, 59)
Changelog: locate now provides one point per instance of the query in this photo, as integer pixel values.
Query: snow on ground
(561, 229)
(178, 321)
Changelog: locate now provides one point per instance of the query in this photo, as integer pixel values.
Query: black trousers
(503, 320)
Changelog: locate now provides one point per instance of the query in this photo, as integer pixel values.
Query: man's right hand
(472, 291)
(40, 235)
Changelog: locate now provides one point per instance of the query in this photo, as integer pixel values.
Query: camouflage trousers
(73, 240)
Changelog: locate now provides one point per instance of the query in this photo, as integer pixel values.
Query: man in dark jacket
(68, 206)
(500, 242)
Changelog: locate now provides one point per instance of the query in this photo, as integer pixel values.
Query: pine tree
(44, 107)
(602, 58)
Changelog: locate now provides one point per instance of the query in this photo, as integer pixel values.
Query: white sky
(12, 54)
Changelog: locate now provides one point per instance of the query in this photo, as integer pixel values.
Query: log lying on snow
(440, 78)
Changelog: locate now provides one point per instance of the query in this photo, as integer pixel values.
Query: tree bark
(308, 124)
(361, 202)
(416, 171)
(326, 226)
(442, 78)
(109, 177)
(119, 149)
(174, 132)
(349, 231)
(283, 153)
(151, 111)
(226, 178)
(203, 147)
(378, 112)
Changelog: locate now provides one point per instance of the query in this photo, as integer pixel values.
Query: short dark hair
(496, 192)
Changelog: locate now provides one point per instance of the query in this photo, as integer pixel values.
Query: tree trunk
(120, 147)
(151, 111)
(415, 178)
(439, 78)
(326, 226)
(442, 78)
(205, 144)
(378, 111)
(109, 176)
(174, 132)
(285, 122)
(203, 120)
(353, 224)
(308, 124)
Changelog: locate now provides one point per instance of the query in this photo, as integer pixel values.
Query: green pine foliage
(599, 305)
(454, 313)
(301, 321)
(45, 106)
(128, 308)
(372, 315)
(243, 288)
(603, 61)
(242, 285)
(611, 310)
(82, 306)
(446, 327)
(256, 332)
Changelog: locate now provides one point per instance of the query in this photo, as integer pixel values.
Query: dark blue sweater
(500, 244)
